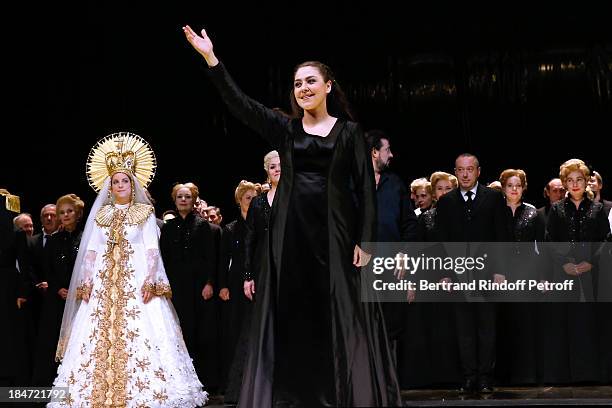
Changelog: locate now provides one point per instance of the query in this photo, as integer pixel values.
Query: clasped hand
(577, 269)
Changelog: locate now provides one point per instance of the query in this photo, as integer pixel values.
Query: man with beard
(397, 221)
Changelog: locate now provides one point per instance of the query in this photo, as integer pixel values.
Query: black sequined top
(60, 254)
(578, 226)
(426, 226)
(526, 225)
(257, 236)
(587, 223)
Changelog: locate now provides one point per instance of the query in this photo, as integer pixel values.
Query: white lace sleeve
(86, 283)
(89, 262)
(156, 281)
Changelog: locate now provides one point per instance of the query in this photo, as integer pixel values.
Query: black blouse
(60, 254)
(587, 223)
(526, 225)
(188, 244)
(231, 262)
(257, 235)
(575, 234)
(426, 226)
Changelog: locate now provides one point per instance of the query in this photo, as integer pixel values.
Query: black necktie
(469, 203)
(45, 238)
(469, 200)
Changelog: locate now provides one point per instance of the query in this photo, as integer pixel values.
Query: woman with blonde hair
(440, 183)
(256, 249)
(576, 227)
(578, 219)
(236, 306)
(59, 257)
(188, 246)
(433, 314)
(422, 191)
(258, 221)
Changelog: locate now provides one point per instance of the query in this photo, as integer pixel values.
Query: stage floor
(503, 396)
(512, 396)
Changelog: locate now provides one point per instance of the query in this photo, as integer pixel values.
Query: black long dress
(187, 247)
(304, 318)
(255, 248)
(230, 275)
(604, 309)
(574, 330)
(519, 321)
(349, 334)
(59, 256)
(428, 354)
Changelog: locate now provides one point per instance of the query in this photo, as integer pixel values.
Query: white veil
(78, 273)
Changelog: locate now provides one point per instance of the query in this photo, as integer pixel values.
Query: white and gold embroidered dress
(117, 351)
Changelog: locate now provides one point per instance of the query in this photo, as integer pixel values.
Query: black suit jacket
(486, 223)
(543, 212)
(35, 252)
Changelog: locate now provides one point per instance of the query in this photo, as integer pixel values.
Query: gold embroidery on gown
(116, 351)
(110, 370)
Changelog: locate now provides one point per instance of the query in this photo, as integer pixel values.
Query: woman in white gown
(120, 342)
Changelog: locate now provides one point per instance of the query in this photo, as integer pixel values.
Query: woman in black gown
(577, 227)
(235, 306)
(430, 350)
(256, 250)
(58, 261)
(187, 246)
(517, 339)
(312, 337)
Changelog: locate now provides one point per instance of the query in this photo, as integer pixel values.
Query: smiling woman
(120, 343)
(307, 311)
(187, 245)
(121, 188)
(59, 258)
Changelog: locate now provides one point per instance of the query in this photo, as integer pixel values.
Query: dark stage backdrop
(520, 88)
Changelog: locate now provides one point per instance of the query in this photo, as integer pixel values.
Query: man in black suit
(36, 243)
(474, 214)
(553, 192)
(397, 221)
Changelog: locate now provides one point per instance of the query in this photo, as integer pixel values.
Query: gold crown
(120, 152)
(120, 162)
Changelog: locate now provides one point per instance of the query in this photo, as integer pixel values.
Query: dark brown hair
(337, 104)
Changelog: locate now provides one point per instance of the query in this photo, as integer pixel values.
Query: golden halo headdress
(120, 152)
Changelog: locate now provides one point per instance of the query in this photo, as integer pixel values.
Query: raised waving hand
(202, 44)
